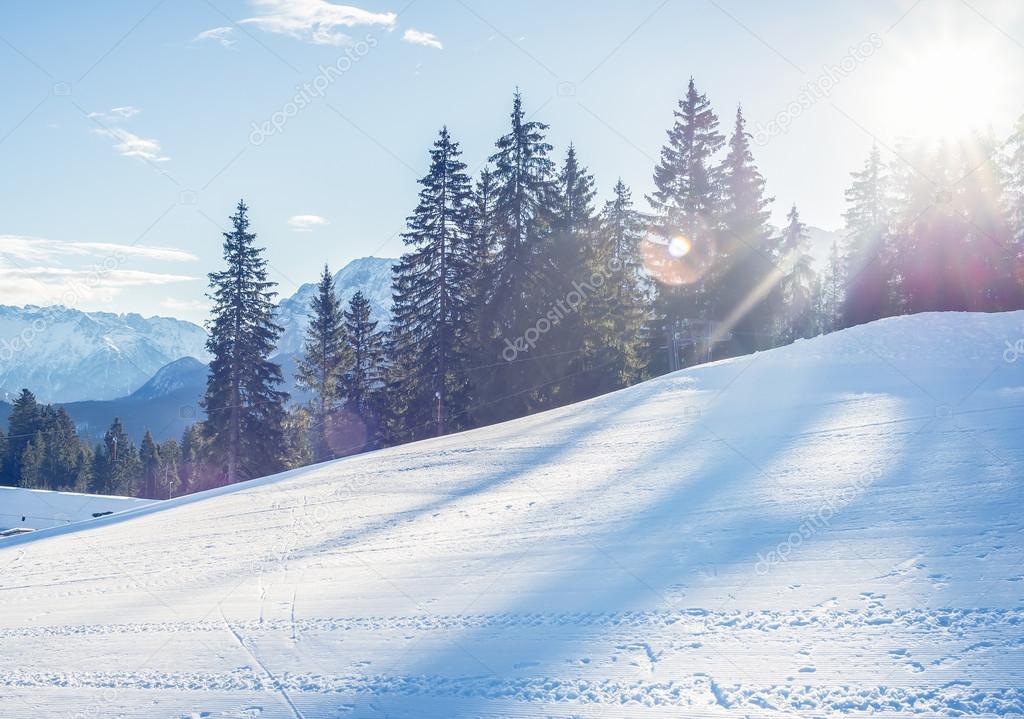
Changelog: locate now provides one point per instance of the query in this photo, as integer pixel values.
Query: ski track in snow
(802, 533)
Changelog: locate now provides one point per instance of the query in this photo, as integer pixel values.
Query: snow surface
(42, 509)
(828, 529)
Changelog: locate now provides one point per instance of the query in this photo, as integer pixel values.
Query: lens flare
(679, 247)
(680, 260)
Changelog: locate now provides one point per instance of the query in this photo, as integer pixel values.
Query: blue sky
(128, 129)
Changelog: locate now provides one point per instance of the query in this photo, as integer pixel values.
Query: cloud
(39, 249)
(57, 285)
(315, 21)
(306, 223)
(427, 39)
(116, 114)
(223, 35)
(131, 145)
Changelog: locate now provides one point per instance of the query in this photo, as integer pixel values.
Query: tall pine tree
(686, 205)
(523, 211)
(799, 280)
(245, 410)
(432, 330)
(362, 380)
(746, 273)
(868, 259)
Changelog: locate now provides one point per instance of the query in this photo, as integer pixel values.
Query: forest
(521, 291)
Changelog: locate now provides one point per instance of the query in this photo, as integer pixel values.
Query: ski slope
(828, 529)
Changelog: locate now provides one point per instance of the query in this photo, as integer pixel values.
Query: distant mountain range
(66, 355)
(150, 372)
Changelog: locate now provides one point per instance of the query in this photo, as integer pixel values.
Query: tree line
(520, 292)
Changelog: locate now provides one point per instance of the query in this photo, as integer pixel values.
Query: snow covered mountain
(371, 275)
(829, 529)
(64, 354)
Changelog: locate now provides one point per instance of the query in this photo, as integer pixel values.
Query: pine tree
(869, 260)
(363, 376)
(833, 285)
(746, 273)
(245, 410)
(798, 280)
(31, 464)
(686, 203)
(26, 419)
(432, 318)
(523, 209)
(84, 468)
(616, 315)
(116, 467)
(61, 455)
(191, 470)
(298, 429)
(149, 460)
(325, 355)
(3, 457)
(169, 468)
(1015, 193)
(573, 278)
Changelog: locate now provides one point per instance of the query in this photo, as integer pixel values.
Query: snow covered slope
(41, 509)
(833, 528)
(64, 354)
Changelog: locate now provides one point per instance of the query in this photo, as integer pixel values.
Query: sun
(945, 89)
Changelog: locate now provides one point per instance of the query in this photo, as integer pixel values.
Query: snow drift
(831, 528)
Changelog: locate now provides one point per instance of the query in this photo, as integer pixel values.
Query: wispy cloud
(427, 39)
(131, 145)
(223, 35)
(306, 223)
(315, 21)
(116, 114)
(40, 249)
(57, 285)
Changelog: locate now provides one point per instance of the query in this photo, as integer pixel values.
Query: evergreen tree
(833, 285)
(324, 357)
(31, 465)
(869, 260)
(84, 468)
(523, 208)
(191, 469)
(746, 271)
(61, 455)
(245, 410)
(574, 278)
(363, 376)
(615, 317)
(3, 456)
(798, 283)
(686, 204)
(1015, 194)
(116, 467)
(149, 460)
(26, 419)
(169, 468)
(298, 431)
(432, 317)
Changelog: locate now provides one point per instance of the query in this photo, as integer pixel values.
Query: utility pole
(440, 413)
